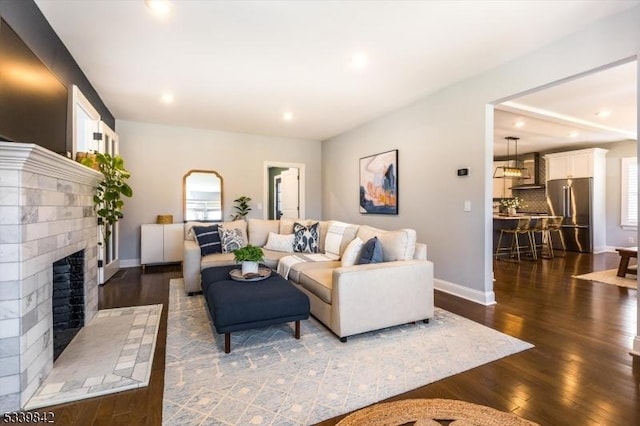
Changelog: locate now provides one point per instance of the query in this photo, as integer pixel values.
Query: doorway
(109, 248)
(91, 134)
(551, 108)
(284, 190)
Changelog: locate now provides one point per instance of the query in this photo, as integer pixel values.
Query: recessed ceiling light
(287, 116)
(167, 98)
(159, 7)
(574, 134)
(519, 124)
(604, 113)
(359, 60)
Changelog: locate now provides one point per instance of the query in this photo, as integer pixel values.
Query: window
(629, 193)
(85, 123)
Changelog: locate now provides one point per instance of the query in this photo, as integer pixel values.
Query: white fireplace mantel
(33, 158)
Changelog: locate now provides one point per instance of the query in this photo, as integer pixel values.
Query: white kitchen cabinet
(502, 186)
(582, 164)
(161, 243)
(575, 164)
(557, 166)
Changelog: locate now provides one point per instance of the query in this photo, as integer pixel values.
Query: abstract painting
(379, 183)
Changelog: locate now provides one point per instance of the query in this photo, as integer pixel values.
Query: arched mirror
(202, 192)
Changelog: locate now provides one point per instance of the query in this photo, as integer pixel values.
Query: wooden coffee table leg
(624, 264)
(227, 343)
(298, 329)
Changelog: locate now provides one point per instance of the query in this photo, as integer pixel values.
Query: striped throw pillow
(208, 238)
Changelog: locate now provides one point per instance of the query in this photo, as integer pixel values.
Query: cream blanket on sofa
(285, 263)
(333, 243)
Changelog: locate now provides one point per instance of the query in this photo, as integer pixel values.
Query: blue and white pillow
(231, 239)
(305, 238)
(208, 238)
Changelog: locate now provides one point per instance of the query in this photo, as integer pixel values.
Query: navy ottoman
(237, 305)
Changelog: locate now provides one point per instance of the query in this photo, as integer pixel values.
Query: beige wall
(450, 129)
(158, 157)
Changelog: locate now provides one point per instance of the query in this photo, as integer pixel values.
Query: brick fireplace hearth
(46, 214)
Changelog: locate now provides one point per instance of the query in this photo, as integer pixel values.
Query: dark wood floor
(579, 373)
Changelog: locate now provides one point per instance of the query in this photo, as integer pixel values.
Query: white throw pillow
(334, 237)
(280, 242)
(352, 252)
(258, 230)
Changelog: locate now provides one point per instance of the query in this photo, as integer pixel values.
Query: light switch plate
(467, 206)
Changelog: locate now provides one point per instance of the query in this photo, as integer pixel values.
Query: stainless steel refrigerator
(572, 199)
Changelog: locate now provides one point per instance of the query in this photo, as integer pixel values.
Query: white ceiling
(551, 115)
(238, 65)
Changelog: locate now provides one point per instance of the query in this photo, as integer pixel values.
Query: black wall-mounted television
(33, 102)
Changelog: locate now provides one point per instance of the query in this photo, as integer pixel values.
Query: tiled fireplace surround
(46, 214)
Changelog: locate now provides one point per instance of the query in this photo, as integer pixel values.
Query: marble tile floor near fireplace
(112, 353)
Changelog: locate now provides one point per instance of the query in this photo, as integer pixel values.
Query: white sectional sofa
(347, 299)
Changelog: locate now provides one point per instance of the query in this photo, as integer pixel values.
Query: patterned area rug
(271, 378)
(112, 353)
(609, 277)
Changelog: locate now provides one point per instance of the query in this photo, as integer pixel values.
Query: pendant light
(512, 172)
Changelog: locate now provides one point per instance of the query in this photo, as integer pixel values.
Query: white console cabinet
(161, 243)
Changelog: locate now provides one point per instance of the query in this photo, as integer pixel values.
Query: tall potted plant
(108, 198)
(242, 207)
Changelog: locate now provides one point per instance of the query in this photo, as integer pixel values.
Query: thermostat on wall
(463, 172)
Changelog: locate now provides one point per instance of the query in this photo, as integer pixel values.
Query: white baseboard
(129, 263)
(483, 298)
(605, 249)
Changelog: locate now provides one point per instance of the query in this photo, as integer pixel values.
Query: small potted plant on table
(248, 256)
(512, 204)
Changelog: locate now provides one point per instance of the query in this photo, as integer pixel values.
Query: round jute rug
(432, 412)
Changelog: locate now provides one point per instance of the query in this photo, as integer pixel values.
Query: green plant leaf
(118, 162)
(126, 190)
(248, 253)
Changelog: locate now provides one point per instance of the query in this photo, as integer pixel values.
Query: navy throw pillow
(208, 238)
(305, 238)
(371, 252)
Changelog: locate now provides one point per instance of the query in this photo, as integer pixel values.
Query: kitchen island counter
(519, 216)
(501, 221)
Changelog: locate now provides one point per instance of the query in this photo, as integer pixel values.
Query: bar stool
(522, 228)
(542, 228)
(555, 225)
